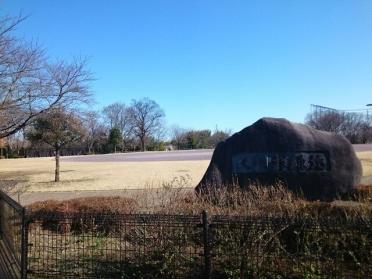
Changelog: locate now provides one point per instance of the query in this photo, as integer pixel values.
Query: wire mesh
(114, 246)
(291, 248)
(172, 246)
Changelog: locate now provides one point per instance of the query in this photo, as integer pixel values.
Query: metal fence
(178, 246)
(92, 245)
(13, 239)
(50, 152)
(291, 248)
(115, 246)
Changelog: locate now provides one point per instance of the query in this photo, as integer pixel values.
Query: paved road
(180, 155)
(362, 147)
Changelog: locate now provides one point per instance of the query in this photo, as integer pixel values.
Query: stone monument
(319, 164)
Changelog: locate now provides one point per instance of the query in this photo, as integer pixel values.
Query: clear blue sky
(208, 63)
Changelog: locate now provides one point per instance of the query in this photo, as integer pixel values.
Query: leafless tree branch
(30, 85)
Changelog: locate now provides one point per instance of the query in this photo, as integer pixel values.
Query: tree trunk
(56, 178)
(123, 148)
(143, 147)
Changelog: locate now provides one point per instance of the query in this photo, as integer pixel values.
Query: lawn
(366, 159)
(37, 174)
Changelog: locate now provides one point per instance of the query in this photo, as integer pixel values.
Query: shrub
(78, 215)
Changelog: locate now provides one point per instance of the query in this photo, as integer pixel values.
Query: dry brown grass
(256, 201)
(37, 174)
(366, 159)
(262, 202)
(114, 205)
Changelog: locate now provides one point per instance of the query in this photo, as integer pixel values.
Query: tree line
(118, 127)
(356, 127)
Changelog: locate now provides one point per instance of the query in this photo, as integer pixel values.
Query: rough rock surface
(321, 165)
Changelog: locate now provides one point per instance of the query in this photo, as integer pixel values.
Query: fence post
(24, 245)
(207, 249)
(1, 215)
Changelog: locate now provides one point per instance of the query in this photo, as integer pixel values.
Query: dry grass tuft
(256, 201)
(363, 193)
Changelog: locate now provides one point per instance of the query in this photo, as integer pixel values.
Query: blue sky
(213, 63)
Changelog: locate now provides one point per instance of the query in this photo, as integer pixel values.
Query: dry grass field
(366, 159)
(37, 174)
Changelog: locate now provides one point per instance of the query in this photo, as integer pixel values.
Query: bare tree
(17, 143)
(178, 136)
(112, 114)
(146, 118)
(354, 126)
(330, 121)
(118, 116)
(94, 128)
(56, 128)
(30, 86)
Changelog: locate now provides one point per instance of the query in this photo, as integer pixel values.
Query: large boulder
(319, 164)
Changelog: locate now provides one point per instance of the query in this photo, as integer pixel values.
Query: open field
(37, 174)
(366, 159)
